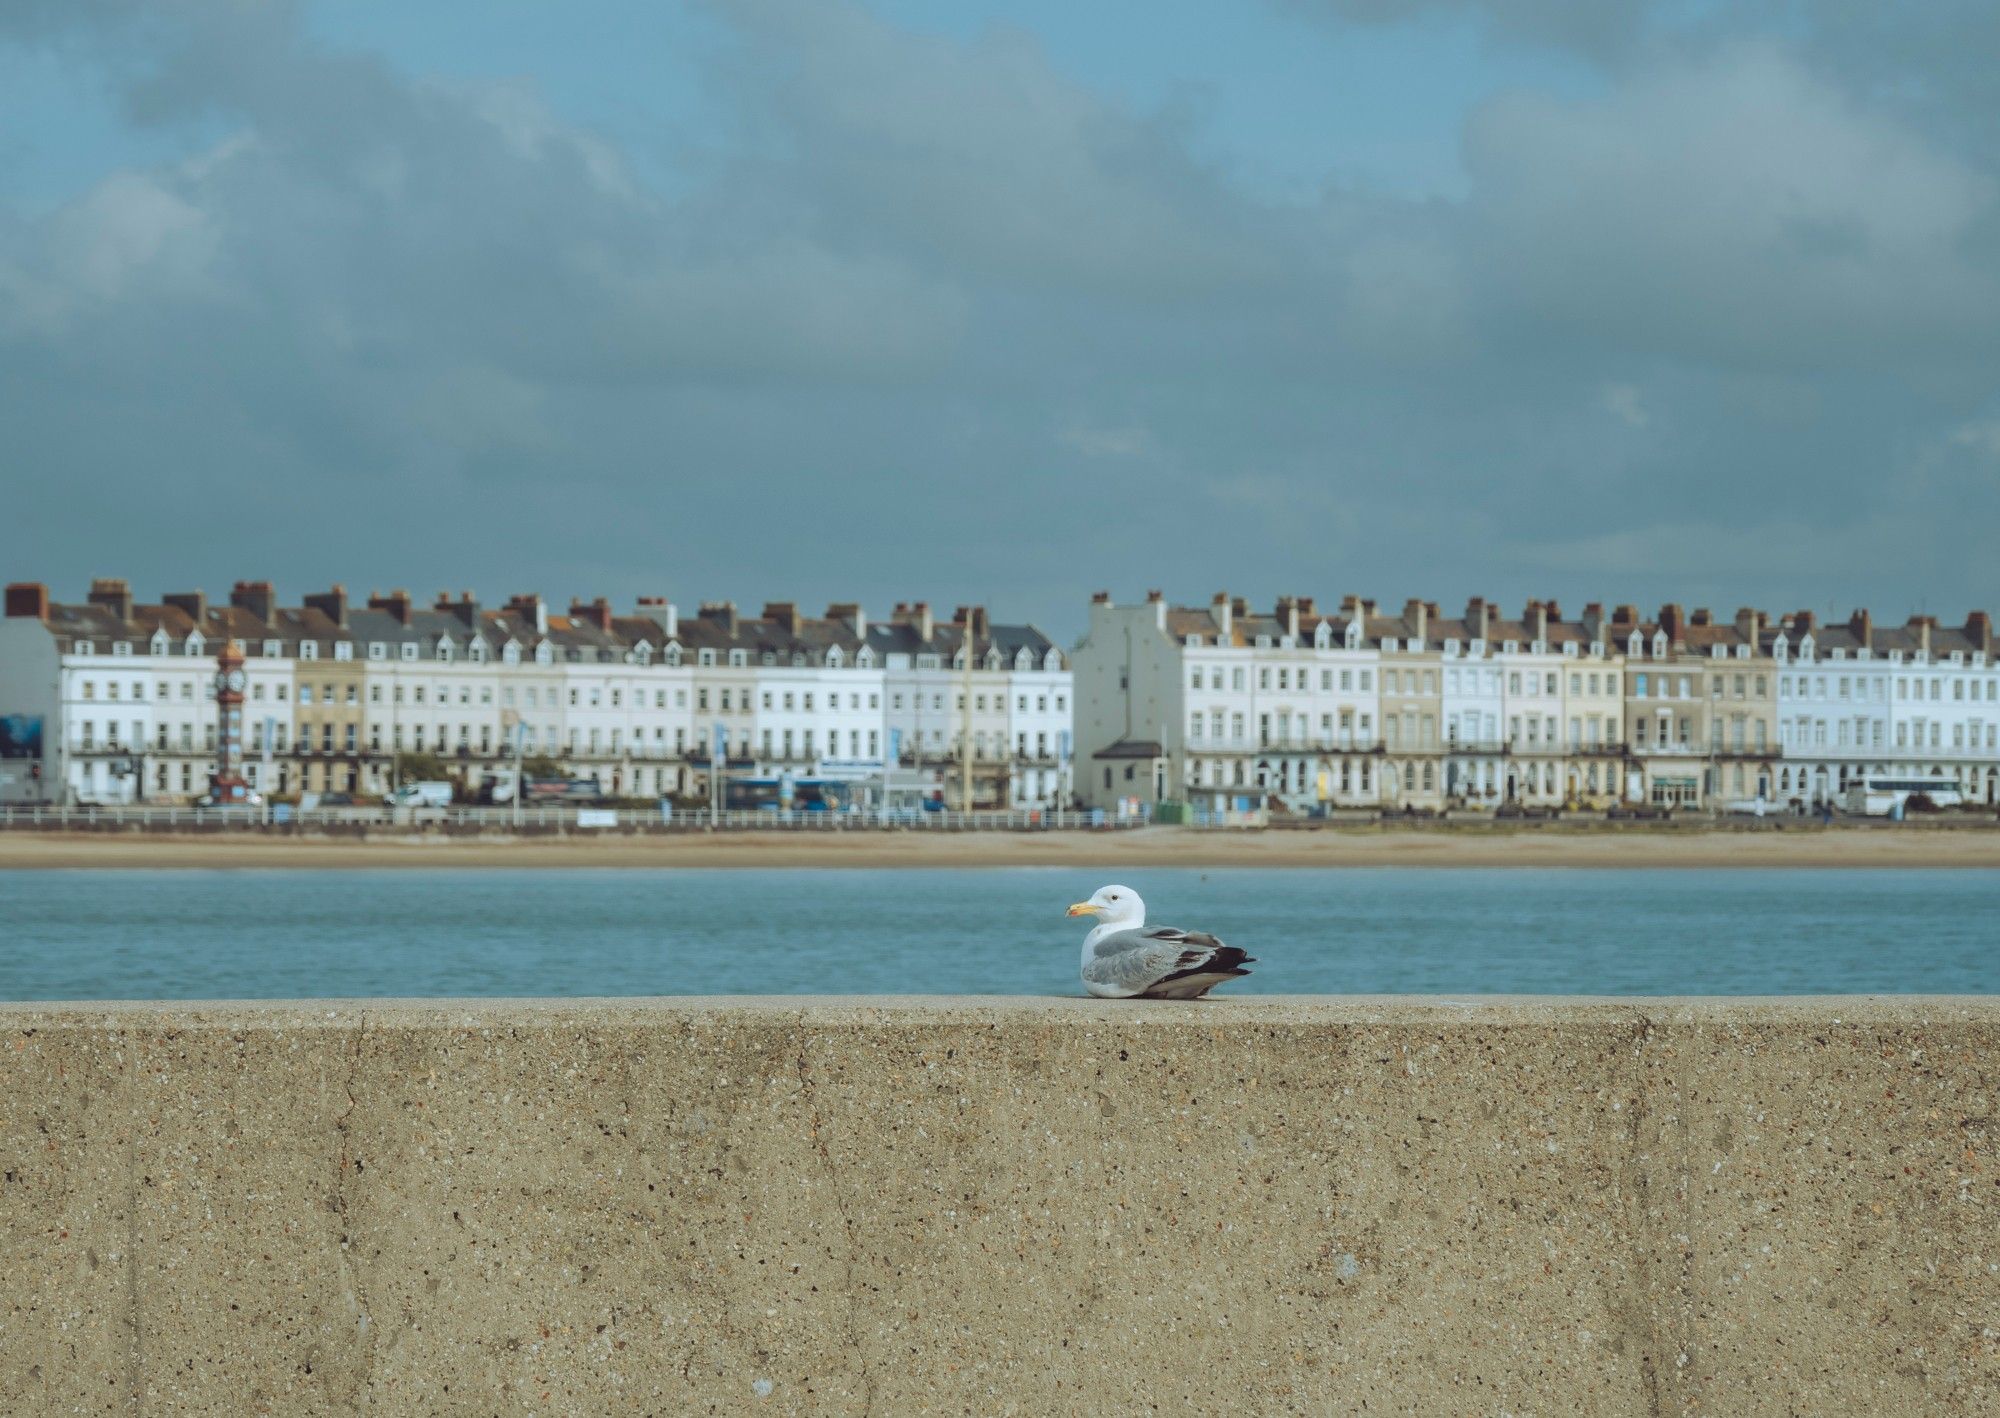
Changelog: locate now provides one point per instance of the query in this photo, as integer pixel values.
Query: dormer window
(309, 649)
(673, 654)
(1354, 635)
(1718, 652)
(1922, 657)
(1478, 648)
(121, 647)
(1864, 653)
(1597, 649)
(1052, 662)
(1569, 649)
(704, 657)
(927, 661)
(1414, 646)
(510, 653)
(1635, 647)
(545, 654)
(1263, 642)
(195, 643)
(444, 652)
(377, 650)
(1660, 645)
(477, 652)
(1192, 640)
(1895, 657)
(1958, 657)
(864, 658)
(83, 647)
(739, 657)
(834, 659)
(1510, 647)
(1743, 652)
(161, 645)
(1389, 644)
(1451, 649)
(1540, 647)
(343, 649)
(1839, 652)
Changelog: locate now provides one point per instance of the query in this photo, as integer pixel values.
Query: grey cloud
(941, 321)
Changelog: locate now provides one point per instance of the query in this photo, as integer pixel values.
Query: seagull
(1122, 959)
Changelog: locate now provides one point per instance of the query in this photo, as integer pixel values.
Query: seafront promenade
(1690, 843)
(1303, 1205)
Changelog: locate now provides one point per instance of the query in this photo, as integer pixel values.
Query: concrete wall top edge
(830, 1011)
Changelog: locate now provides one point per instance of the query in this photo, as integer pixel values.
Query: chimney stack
(722, 613)
(851, 613)
(1478, 617)
(331, 604)
(595, 613)
(1674, 621)
(1417, 615)
(397, 603)
(662, 613)
(113, 593)
(258, 599)
(1979, 630)
(192, 604)
(783, 613)
(28, 599)
(1922, 625)
(529, 606)
(1861, 625)
(973, 618)
(1100, 598)
(1288, 615)
(1219, 612)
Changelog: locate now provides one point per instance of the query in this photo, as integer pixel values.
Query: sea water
(264, 934)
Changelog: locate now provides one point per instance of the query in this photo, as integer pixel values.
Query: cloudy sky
(891, 299)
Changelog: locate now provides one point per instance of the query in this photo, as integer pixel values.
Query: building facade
(111, 701)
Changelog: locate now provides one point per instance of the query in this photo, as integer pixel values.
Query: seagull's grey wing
(1163, 962)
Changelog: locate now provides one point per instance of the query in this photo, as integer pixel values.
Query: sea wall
(1002, 1206)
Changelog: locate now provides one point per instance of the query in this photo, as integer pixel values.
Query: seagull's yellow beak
(1084, 908)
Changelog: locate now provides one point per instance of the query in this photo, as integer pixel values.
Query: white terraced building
(111, 701)
(1919, 701)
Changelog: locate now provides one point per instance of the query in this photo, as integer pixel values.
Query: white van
(420, 795)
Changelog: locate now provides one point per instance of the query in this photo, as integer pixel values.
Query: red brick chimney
(29, 599)
(397, 603)
(784, 614)
(1979, 630)
(258, 599)
(331, 604)
(597, 613)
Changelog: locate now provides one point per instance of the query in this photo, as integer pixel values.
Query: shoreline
(1832, 848)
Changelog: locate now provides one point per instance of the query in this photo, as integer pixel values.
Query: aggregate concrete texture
(995, 1206)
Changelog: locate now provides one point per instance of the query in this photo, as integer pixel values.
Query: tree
(420, 767)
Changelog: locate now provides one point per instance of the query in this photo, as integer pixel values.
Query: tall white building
(1222, 706)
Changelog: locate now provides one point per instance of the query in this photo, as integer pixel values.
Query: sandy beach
(1155, 847)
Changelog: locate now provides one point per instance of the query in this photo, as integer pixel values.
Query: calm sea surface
(270, 934)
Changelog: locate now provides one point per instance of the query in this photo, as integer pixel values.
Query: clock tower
(226, 785)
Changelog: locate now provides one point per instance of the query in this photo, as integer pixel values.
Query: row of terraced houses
(1359, 705)
(112, 701)
(1299, 708)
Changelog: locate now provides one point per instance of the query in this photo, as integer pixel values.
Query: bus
(1886, 797)
(807, 795)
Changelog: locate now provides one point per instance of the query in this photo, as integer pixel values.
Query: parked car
(420, 795)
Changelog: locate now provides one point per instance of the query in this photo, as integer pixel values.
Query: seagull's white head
(1113, 905)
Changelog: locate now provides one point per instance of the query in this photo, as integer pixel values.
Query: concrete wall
(1035, 1207)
